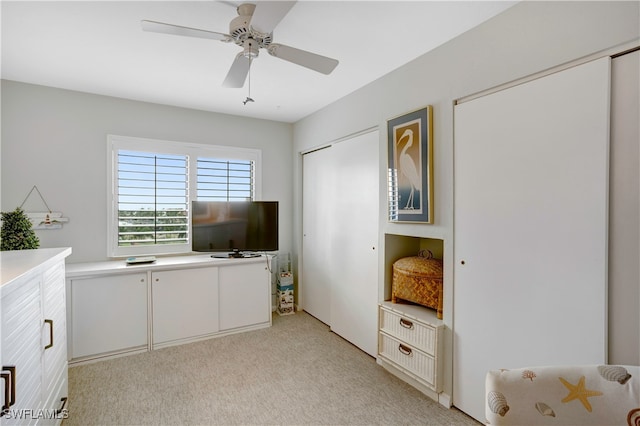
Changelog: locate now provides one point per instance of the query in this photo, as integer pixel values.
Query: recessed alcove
(398, 246)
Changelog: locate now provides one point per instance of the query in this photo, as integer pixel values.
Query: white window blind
(153, 183)
(153, 198)
(225, 180)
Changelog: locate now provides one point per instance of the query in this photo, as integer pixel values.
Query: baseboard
(107, 355)
(445, 399)
(141, 349)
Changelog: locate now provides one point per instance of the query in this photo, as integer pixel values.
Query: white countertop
(16, 263)
(161, 263)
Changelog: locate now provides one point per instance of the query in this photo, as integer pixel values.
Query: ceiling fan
(252, 29)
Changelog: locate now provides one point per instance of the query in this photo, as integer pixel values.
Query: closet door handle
(50, 322)
(406, 323)
(9, 386)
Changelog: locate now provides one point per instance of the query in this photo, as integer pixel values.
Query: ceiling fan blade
(238, 72)
(306, 59)
(161, 27)
(268, 14)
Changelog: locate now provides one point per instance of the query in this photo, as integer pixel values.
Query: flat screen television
(235, 228)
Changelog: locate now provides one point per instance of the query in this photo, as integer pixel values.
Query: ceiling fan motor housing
(243, 35)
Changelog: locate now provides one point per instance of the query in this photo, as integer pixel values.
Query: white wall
(57, 139)
(528, 38)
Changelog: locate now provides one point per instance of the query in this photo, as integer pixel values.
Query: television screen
(236, 226)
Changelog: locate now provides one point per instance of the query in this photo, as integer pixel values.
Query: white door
(624, 213)
(354, 241)
(530, 228)
(340, 237)
(317, 198)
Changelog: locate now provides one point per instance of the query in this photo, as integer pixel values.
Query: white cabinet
(409, 344)
(184, 304)
(243, 290)
(107, 314)
(117, 309)
(34, 347)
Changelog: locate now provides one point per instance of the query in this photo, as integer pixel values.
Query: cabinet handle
(63, 401)
(50, 322)
(7, 392)
(405, 350)
(9, 386)
(406, 323)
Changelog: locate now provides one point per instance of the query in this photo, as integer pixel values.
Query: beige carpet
(296, 372)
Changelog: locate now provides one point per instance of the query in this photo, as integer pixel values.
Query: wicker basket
(418, 279)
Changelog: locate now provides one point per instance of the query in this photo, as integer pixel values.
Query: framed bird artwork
(410, 139)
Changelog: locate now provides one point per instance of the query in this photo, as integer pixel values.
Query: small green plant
(17, 232)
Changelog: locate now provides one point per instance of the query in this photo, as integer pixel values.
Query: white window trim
(193, 151)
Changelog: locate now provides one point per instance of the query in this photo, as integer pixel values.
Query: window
(153, 184)
(225, 180)
(153, 196)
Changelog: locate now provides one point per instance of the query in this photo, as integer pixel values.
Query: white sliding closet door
(317, 217)
(531, 167)
(624, 213)
(340, 238)
(354, 242)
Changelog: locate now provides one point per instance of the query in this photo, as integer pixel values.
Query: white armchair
(564, 395)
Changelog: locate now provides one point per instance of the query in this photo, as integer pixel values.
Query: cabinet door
(185, 303)
(245, 295)
(54, 337)
(108, 314)
(21, 340)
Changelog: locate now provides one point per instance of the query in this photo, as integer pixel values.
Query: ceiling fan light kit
(252, 30)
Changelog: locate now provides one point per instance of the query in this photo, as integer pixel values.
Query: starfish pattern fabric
(579, 392)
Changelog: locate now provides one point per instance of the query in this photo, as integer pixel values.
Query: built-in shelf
(428, 374)
(399, 246)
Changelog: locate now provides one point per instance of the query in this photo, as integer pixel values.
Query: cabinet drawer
(410, 331)
(408, 357)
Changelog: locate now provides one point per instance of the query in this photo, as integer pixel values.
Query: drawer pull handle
(7, 392)
(405, 350)
(50, 322)
(406, 323)
(9, 376)
(63, 401)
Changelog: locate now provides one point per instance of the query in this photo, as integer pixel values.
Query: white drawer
(409, 358)
(410, 331)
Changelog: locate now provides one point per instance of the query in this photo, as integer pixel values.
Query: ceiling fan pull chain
(249, 99)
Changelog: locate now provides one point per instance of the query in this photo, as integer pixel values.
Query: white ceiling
(99, 47)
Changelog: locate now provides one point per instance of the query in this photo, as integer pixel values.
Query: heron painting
(410, 167)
